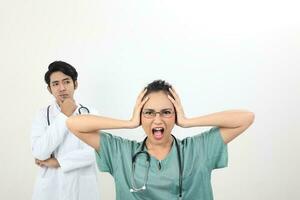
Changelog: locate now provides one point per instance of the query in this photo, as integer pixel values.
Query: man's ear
(75, 85)
(49, 89)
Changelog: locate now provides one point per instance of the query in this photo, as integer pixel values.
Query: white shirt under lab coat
(76, 178)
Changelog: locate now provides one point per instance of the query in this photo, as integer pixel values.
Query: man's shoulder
(48, 106)
(45, 109)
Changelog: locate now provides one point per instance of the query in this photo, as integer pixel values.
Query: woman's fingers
(175, 97)
(174, 93)
(172, 100)
(140, 101)
(143, 102)
(176, 102)
(141, 95)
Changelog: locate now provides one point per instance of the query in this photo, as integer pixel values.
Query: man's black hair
(63, 67)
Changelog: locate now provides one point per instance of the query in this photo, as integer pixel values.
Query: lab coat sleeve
(76, 159)
(45, 139)
(83, 157)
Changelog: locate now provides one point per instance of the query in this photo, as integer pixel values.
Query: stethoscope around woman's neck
(134, 188)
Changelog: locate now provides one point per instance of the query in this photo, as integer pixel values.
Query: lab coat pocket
(88, 187)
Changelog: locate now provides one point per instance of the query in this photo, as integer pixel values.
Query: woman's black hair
(157, 86)
(63, 67)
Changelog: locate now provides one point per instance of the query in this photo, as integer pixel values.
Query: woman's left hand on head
(181, 119)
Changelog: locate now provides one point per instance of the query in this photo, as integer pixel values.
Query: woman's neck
(159, 151)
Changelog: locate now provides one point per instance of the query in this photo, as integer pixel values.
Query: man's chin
(63, 97)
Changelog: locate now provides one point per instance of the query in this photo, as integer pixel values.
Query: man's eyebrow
(65, 79)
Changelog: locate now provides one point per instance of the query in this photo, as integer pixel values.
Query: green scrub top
(200, 154)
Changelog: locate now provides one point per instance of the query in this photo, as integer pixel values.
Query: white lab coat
(76, 178)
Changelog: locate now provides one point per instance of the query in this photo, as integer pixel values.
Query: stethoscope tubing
(79, 111)
(180, 170)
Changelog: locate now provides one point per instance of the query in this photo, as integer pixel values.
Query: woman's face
(158, 126)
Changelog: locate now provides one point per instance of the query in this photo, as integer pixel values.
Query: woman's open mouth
(158, 132)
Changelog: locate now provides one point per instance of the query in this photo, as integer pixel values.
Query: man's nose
(62, 87)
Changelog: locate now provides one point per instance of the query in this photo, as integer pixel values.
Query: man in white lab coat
(67, 165)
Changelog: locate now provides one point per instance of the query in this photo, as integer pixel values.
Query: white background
(217, 54)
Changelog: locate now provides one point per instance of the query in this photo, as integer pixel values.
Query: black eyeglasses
(165, 113)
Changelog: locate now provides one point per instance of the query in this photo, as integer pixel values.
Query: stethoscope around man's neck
(80, 111)
(134, 188)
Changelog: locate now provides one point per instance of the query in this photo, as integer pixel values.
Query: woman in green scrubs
(161, 166)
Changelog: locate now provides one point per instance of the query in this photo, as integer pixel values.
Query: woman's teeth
(158, 132)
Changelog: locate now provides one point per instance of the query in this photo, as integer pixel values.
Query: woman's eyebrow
(150, 109)
(167, 109)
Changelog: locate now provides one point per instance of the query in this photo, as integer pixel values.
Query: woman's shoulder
(201, 137)
(118, 140)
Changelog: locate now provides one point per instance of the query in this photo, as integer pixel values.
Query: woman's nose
(157, 118)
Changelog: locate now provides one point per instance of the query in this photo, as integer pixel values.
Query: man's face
(61, 86)
(158, 127)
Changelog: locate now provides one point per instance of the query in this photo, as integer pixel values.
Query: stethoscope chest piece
(83, 110)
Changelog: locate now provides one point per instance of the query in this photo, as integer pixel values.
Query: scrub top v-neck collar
(167, 161)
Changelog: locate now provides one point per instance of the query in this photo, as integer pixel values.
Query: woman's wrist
(130, 124)
(184, 122)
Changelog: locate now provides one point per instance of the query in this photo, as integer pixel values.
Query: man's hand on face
(67, 106)
(51, 163)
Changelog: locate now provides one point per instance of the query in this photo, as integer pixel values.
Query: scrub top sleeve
(109, 152)
(215, 149)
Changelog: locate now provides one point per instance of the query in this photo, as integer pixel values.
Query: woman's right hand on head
(136, 116)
